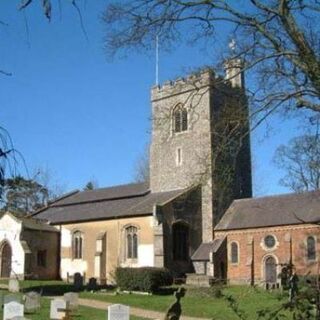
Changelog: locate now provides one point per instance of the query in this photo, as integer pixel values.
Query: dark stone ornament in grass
(174, 311)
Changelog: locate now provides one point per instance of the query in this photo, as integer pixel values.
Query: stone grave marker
(32, 301)
(72, 299)
(92, 284)
(11, 297)
(78, 281)
(56, 309)
(118, 312)
(14, 285)
(12, 309)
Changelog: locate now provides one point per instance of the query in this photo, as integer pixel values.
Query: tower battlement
(195, 81)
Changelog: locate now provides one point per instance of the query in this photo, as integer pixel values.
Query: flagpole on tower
(157, 59)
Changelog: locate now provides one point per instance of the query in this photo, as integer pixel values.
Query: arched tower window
(234, 253)
(77, 244)
(132, 242)
(180, 241)
(311, 248)
(180, 119)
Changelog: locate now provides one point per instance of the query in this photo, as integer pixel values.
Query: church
(195, 215)
(164, 222)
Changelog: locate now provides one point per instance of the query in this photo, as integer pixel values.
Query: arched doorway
(180, 241)
(6, 258)
(270, 270)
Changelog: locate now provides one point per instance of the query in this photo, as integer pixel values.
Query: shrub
(147, 279)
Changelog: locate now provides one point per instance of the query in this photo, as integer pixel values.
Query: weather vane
(233, 45)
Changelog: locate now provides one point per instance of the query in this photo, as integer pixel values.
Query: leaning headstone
(118, 312)
(57, 309)
(32, 301)
(78, 281)
(72, 299)
(12, 309)
(11, 298)
(92, 284)
(14, 285)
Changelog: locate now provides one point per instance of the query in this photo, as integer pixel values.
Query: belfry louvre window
(77, 244)
(180, 119)
(311, 248)
(132, 242)
(234, 252)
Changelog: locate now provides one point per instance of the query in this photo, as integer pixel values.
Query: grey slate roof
(202, 253)
(32, 223)
(36, 224)
(287, 209)
(106, 203)
(115, 192)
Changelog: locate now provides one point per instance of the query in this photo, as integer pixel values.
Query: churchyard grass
(83, 313)
(196, 303)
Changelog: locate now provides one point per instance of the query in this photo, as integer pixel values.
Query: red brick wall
(251, 246)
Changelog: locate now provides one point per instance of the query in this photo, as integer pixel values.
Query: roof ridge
(137, 195)
(49, 204)
(117, 186)
(280, 195)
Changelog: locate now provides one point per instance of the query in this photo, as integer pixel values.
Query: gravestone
(72, 299)
(12, 309)
(78, 281)
(92, 284)
(32, 301)
(118, 312)
(56, 309)
(14, 285)
(11, 297)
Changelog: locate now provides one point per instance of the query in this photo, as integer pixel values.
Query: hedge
(147, 279)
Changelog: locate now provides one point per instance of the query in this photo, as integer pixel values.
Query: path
(133, 311)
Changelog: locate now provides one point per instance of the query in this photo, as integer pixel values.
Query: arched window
(311, 248)
(180, 119)
(132, 242)
(180, 242)
(77, 245)
(234, 252)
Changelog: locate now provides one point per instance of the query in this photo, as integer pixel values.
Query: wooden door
(271, 270)
(6, 258)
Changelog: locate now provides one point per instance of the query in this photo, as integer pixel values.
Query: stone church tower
(200, 137)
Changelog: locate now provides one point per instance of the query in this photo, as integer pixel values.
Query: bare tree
(141, 167)
(278, 40)
(300, 159)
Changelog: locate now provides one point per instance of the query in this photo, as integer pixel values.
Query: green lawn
(250, 301)
(196, 303)
(83, 313)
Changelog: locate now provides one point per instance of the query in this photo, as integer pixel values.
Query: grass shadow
(51, 290)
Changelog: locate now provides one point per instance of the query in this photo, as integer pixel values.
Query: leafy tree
(91, 185)
(278, 40)
(24, 195)
(300, 159)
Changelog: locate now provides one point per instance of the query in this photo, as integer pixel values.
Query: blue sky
(70, 109)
